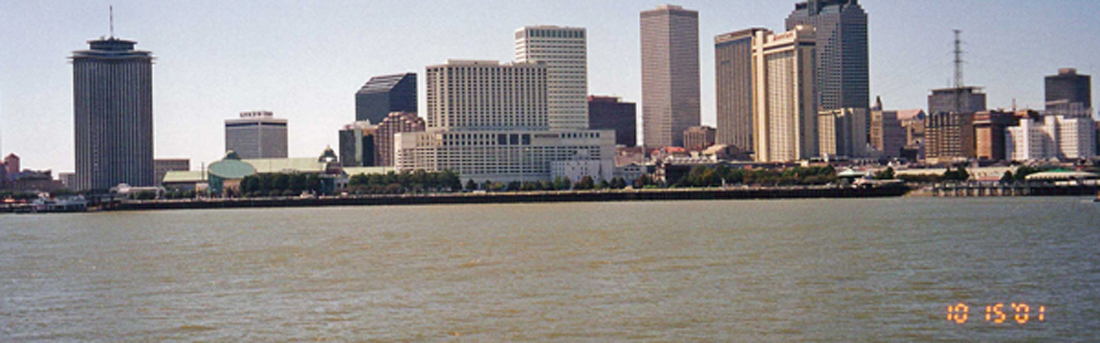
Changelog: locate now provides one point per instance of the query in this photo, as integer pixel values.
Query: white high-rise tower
(564, 52)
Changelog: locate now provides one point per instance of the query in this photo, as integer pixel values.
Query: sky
(304, 60)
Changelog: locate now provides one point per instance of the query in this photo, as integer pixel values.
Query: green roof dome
(231, 169)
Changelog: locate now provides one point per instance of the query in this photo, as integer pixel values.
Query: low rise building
(697, 138)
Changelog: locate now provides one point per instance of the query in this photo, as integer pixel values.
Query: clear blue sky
(304, 60)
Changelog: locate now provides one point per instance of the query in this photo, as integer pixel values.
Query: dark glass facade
(842, 62)
(1068, 87)
(383, 95)
(609, 113)
(113, 115)
(356, 148)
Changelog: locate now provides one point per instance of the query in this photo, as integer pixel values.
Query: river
(783, 270)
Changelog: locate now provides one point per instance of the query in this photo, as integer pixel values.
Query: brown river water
(784, 270)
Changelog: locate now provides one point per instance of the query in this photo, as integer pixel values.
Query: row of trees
(280, 184)
(405, 182)
(706, 176)
(558, 184)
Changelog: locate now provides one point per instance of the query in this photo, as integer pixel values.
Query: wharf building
(564, 51)
(382, 95)
(785, 107)
(697, 138)
(611, 113)
(842, 132)
(670, 74)
(841, 68)
(256, 134)
(366, 145)
(887, 136)
(734, 85)
(113, 115)
(489, 122)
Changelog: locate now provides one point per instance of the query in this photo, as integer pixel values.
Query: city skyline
(202, 77)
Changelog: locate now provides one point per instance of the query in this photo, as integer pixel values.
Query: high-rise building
(841, 132)
(887, 134)
(990, 128)
(256, 134)
(11, 164)
(961, 100)
(113, 115)
(357, 147)
(785, 115)
(488, 122)
(699, 137)
(564, 52)
(611, 113)
(733, 82)
(487, 95)
(164, 165)
(949, 136)
(1052, 136)
(383, 95)
(670, 74)
(396, 122)
(842, 62)
(1068, 88)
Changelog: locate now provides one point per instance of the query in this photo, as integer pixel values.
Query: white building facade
(488, 122)
(564, 51)
(1056, 136)
(784, 106)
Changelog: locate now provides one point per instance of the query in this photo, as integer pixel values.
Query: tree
(1007, 177)
(886, 174)
(603, 184)
(471, 185)
(585, 183)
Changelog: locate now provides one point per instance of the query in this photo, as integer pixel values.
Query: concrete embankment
(522, 197)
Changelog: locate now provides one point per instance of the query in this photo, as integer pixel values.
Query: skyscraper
(113, 115)
(670, 74)
(733, 81)
(255, 135)
(564, 52)
(785, 113)
(842, 65)
(385, 94)
(962, 100)
(1068, 88)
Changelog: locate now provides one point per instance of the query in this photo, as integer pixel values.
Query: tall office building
(1068, 88)
(697, 138)
(842, 57)
(962, 100)
(948, 137)
(785, 116)
(488, 122)
(611, 113)
(670, 74)
(989, 134)
(383, 95)
(256, 134)
(888, 134)
(357, 145)
(564, 52)
(113, 115)
(733, 81)
(841, 132)
(396, 122)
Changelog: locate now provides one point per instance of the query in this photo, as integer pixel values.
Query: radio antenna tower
(112, 11)
(958, 71)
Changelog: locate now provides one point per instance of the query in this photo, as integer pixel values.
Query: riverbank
(520, 197)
